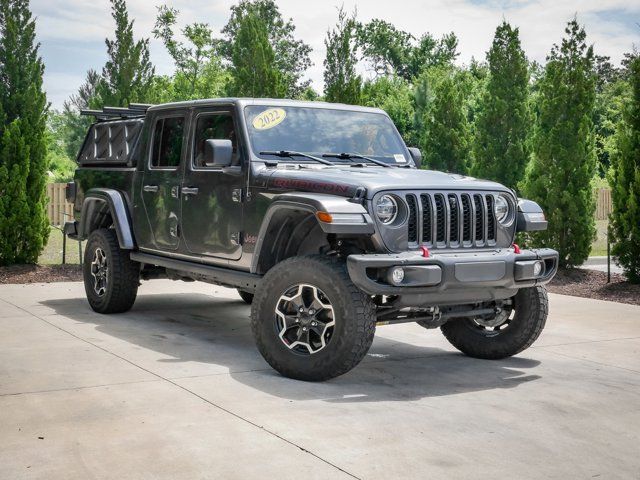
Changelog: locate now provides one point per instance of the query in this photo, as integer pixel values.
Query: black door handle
(189, 190)
(150, 188)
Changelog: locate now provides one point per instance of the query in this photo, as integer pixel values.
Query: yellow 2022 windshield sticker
(268, 119)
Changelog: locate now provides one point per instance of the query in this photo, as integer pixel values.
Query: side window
(167, 142)
(214, 126)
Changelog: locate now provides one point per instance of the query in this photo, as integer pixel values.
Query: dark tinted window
(167, 142)
(215, 126)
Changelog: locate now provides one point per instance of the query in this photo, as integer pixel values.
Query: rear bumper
(453, 277)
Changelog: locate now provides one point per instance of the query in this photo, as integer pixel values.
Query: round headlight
(386, 209)
(501, 208)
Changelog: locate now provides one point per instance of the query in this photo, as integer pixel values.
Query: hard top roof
(275, 102)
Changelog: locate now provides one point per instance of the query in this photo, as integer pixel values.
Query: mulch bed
(40, 273)
(576, 282)
(593, 284)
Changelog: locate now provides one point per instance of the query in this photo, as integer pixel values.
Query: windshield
(319, 131)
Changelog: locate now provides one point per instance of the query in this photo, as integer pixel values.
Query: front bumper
(453, 278)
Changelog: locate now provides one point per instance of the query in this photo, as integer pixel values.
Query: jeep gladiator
(321, 218)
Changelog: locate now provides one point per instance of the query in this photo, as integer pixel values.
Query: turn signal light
(324, 217)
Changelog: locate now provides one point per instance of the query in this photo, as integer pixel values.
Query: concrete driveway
(175, 389)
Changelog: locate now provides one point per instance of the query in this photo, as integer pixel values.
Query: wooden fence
(58, 209)
(603, 203)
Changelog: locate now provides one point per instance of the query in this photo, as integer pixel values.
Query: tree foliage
(624, 178)
(446, 138)
(24, 227)
(253, 70)
(290, 55)
(564, 155)
(391, 51)
(341, 82)
(127, 74)
(501, 150)
(199, 72)
(394, 96)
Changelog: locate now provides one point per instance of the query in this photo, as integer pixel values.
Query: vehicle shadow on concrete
(203, 329)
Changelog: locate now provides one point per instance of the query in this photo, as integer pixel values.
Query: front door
(161, 183)
(212, 196)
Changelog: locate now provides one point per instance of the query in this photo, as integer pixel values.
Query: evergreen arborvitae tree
(253, 70)
(291, 56)
(624, 179)
(24, 227)
(446, 142)
(127, 75)
(564, 148)
(500, 148)
(341, 83)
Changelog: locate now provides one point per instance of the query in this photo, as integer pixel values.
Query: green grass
(52, 253)
(599, 245)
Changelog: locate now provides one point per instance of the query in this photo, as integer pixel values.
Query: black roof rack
(109, 113)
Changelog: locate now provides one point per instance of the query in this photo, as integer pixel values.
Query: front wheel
(309, 321)
(510, 332)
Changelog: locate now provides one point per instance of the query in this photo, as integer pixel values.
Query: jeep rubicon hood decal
(344, 181)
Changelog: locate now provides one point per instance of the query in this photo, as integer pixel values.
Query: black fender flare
(113, 200)
(353, 217)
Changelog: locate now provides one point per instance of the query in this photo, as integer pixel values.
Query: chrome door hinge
(236, 195)
(236, 238)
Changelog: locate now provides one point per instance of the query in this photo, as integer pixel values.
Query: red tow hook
(516, 248)
(425, 251)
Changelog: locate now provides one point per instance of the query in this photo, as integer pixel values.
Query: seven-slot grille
(451, 219)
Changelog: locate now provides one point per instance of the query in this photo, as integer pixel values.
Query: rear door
(212, 196)
(162, 178)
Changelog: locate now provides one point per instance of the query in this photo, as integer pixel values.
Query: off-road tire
(354, 314)
(246, 296)
(531, 307)
(122, 278)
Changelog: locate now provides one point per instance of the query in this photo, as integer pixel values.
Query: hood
(345, 181)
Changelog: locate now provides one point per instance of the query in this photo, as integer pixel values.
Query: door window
(167, 142)
(214, 126)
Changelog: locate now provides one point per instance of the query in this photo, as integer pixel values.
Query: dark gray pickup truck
(319, 215)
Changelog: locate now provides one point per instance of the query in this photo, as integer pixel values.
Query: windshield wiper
(351, 156)
(291, 154)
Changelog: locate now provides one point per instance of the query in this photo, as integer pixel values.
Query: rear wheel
(511, 331)
(310, 322)
(111, 278)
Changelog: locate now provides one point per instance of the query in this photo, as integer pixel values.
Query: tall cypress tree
(446, 142)
(24, 227)
(253, 69)
(501, 152)
(624, 178)
(341, 82)
(564, 148)
(127, 75)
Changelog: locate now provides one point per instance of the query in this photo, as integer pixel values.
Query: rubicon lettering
(312, 186)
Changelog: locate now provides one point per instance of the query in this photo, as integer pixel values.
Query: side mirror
(416, 155)
(218, 153)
